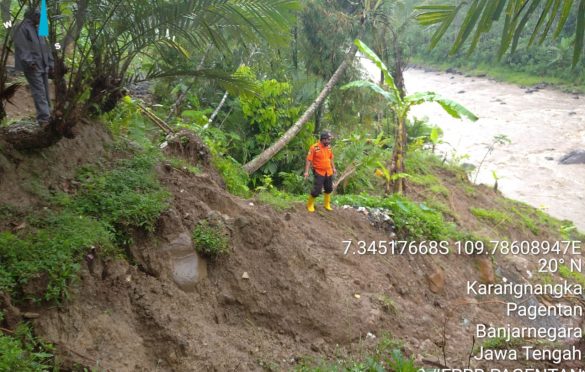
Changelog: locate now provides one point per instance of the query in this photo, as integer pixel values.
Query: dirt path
(542, 126)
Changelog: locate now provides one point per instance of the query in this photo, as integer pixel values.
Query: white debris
(245, 275)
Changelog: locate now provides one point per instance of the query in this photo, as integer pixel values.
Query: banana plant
(401, 106)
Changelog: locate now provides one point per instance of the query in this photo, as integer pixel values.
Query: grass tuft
(210, 240)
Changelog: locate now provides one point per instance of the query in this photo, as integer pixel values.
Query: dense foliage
(551, 57)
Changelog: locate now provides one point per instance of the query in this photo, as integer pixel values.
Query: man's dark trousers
(39, 87)
(320, 183)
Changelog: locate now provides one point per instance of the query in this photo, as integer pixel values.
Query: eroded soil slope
(285, 291)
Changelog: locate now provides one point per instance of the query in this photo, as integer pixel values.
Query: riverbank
(542, 126)
(502, 74)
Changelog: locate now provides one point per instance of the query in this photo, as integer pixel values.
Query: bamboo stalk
(156, 120)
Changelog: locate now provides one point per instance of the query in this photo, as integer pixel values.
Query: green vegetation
(50, 250)
(413, 220)
(240, 75)
(527, 221)
(24, 353)
(387, 356)
(504, 72)
(235, 178)
(533, 58)
(210, 240)
(387, 304)
(567, 273)
(129, 195)
(278, 199)
(47, 253)
(400, 105)
(535, 220)
(491, 216)
(431, 181)
(500, 343)
(183, 165)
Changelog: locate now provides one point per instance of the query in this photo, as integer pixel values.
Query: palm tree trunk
(75, 30)
(255, 164)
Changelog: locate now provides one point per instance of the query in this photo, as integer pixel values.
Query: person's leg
(328, 185)
(47, 90)
(36, 81)
(317, 186)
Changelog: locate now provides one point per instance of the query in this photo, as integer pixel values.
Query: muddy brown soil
(285, 291)
(302, 295)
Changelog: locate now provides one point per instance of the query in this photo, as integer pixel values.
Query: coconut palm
(400, 107)
(480, 15)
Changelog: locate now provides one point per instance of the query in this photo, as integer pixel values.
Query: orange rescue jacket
(321, 156)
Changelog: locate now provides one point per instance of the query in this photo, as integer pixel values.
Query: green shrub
(233, 174)
(414, 221)
(54, 248)
(294, 183)
(24, 353)
(210, 240)
(107, 202)
(129, 195)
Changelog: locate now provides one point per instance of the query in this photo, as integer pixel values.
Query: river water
(542, 127)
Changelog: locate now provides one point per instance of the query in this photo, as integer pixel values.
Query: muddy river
(541, 126)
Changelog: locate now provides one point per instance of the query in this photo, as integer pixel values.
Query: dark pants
(39, 88)
(321, 182)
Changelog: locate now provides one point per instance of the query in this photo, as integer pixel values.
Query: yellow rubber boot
(327, 200)
(311, 204)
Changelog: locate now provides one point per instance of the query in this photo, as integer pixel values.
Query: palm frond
(235, 84)
(9, 92)
(480, 15)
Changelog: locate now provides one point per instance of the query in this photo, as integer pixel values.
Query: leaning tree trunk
(255, 164)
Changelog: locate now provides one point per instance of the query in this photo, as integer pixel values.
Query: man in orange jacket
(320, 157)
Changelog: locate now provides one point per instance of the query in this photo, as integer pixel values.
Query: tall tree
(368, 7)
